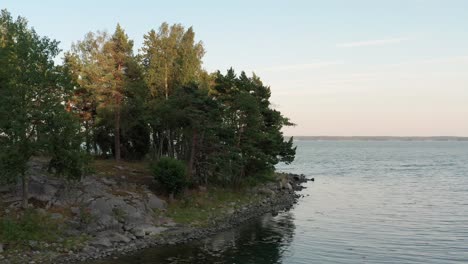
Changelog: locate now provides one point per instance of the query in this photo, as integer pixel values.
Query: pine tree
(101, 64)
(120, 51)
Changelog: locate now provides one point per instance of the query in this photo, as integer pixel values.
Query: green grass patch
(19, 228)
(26, 226)
(201, 208)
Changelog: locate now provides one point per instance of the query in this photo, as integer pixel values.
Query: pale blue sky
(396, 67)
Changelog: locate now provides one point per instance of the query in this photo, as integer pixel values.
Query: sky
(335, 67)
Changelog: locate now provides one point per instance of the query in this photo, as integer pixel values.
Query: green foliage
(251, 128)
(171, 173)
(160, 104)
(68, 159)
(110, 95)
(29, 226)
(33, 96)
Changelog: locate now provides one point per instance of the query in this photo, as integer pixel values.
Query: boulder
(101, 206)
(75, 210)
(1, 248)
(153, 202)
(41, 191)
(266, 191)
(109, 182)
(113, 237)
(101, 242)
(147, 230)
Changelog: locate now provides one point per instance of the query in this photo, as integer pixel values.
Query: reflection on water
(372, 202)
(260, 241)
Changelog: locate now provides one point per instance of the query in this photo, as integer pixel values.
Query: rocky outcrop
(121, 218)
(276, 198)
(110, 213)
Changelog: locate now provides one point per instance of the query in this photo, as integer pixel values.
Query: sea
(371, 202)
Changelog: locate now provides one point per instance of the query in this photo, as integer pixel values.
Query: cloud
(305, 66)
(375, 42)
(441, 60)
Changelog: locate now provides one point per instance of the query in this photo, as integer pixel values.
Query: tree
(171, 59)
(87, 63)
(120, 49)
(101, 66)
(33, 94)
(252, 128)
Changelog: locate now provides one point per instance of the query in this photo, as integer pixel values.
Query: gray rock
(101, 206)
(289, 186)
(108, 181)
(138, 233)
(75, 210)
(101, 242)
(266, 191)
(1, 248)
(114, 237)
(147, 230)
(32, 243)
(153, 202)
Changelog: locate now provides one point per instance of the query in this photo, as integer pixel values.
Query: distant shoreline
(380, 138)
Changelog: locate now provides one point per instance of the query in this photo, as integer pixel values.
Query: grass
(201, 208)
(18, 229)
(135, 172)
(29, 225)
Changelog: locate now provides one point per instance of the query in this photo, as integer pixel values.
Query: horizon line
(327, 136)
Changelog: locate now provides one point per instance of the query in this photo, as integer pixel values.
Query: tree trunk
(155, 145)
(161, 145)
(117, 129)
(166, 88)
(25, 190)
(88, 139)
(192, 154)
(169, 144)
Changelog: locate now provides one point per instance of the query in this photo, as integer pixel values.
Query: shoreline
(269, 197)
(283, 199)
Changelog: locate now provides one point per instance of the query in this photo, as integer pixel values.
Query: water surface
(372, 202)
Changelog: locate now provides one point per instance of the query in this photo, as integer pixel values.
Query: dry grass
(199, 208)
(133, 172)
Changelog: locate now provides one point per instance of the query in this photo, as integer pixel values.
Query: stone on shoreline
(147, 230)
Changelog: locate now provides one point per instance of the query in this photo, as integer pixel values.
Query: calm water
(372, 202)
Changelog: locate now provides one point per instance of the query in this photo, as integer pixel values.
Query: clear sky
(349, 67)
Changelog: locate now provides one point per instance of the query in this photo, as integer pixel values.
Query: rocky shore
(278, 198)
(116, 218)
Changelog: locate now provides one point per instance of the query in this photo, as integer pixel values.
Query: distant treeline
(107, 101)
(382, 138)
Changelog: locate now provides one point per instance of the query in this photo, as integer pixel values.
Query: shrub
(171, 173)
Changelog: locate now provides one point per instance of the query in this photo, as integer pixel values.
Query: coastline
(272, 197)
(283, 199)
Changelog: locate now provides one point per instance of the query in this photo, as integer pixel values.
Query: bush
(171, 173)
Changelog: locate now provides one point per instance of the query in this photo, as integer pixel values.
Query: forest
(159, 105)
